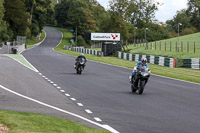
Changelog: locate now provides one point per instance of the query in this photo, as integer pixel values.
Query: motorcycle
(80, 65)
(139, 81)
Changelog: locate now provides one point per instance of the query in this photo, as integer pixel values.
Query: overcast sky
(165, 12)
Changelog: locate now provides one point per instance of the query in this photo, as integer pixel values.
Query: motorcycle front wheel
(141, 89)
(79, 69)
(133, 89)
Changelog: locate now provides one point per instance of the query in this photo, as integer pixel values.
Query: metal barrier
(87, 51)
(191, 63)
(162, 61)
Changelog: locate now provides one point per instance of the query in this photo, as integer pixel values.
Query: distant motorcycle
(140, 79)
(80, 65)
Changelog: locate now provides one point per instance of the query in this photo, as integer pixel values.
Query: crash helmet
(144, 60)
(82, 54)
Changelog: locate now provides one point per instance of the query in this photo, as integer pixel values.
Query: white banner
(105, 36)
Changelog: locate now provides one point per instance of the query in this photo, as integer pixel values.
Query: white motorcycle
(139, 81)
(80, 65)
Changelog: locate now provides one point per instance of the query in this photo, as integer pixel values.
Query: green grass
(19, 58)
(178, 73)
(20, 122)
(154, 48)
(32, 41)
(98, 49)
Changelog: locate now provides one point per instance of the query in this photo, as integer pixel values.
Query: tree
(120, 13)
(39, 13)
(180, 17)
(83, 20)
(100, 15)
(4, 33)
(50, 14)
(193, 11)
(61, 11)
(145, 13)
(16, 17)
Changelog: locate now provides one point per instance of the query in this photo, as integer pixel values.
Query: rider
(78, 58)
(143, 62)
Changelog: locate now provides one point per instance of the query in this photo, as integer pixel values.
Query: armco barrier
(162, 61)
(87, 51)
(191, 63)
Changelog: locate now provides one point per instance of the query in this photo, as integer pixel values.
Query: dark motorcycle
(80, 65)
(140, 79)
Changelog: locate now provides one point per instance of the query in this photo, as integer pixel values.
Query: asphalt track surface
(167, 105)
(19, 79)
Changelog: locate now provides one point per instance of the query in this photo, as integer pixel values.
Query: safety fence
(170, 46)
(162, 61)
(98, 45)
(87, 51)
(191, 63)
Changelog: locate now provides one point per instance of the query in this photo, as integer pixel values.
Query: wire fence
(189, 47)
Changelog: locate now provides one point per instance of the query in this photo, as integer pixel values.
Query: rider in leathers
(78, 58)
(143, 63)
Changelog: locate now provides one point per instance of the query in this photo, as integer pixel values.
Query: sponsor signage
(105, 36)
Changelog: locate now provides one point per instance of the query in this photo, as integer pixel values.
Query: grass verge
(177, 73)
(19, 58)
(31, 42)
(186, 44)
(20, 122)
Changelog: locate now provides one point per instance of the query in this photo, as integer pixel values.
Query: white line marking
(59, 87)
(80, 104)
(40, 74)
(51, 82)
(54, 84)
(43, 76)
(62, 90)
(73, 99)
(58, 109)
(46, 78)
(33, 68)
(67, 95)
(97, 119)
(88, 111)
(29, 63)
(176, 79)
(110, 129)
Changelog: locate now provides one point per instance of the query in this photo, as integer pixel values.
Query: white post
(135, 34)
(178, 35)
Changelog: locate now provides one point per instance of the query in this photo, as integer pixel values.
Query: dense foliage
(4, 32)
(189, 18)
(131, 18)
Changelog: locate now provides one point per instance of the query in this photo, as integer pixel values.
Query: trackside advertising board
(105, 36)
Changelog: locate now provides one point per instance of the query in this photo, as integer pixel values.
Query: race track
(167, 105)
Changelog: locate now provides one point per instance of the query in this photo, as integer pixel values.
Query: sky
(165, 12)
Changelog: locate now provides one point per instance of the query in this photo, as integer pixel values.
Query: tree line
(131, 18)
(24, 17)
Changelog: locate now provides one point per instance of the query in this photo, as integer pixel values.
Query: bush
(81, 41)
(172, 34)
(180, 63)
(187, 31)
(28, 32)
